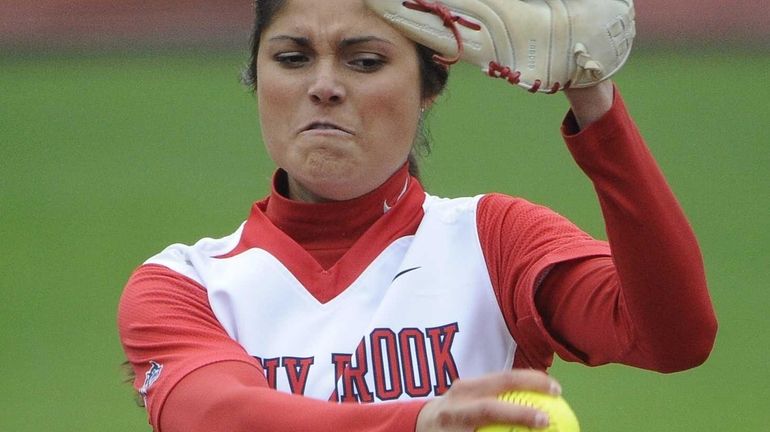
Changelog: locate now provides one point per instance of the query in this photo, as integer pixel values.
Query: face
(339, 98)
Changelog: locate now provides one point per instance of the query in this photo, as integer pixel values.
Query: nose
(326, 87)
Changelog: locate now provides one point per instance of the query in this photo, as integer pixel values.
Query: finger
(492, 411)
(494, 384)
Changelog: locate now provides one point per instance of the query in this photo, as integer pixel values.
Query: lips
(324, 126)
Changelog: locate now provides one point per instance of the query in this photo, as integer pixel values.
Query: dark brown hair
(433, 76)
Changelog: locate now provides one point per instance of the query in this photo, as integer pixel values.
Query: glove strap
(450, 21)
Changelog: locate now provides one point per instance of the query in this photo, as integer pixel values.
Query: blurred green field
(106, 159)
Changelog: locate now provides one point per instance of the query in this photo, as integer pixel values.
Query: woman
(350, 284)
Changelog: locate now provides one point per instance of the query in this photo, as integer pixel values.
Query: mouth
(322, 126)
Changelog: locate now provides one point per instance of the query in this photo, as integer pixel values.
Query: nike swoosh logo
(404, 272)
(386, 207)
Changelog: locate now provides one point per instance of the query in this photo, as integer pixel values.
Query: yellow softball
(562, 418)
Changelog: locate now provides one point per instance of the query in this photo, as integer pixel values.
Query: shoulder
(499, 203)
(497, 210)
(183, 259)
(434, 205)
(152, 285)
(489, 202)
(491, 211)
(511, 225)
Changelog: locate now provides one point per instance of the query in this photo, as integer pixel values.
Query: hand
(473, 403)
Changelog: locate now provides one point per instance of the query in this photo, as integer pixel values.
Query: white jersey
(421, 314)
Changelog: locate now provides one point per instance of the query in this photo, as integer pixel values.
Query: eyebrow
(305, 42)
(363, 39)
(301, 41)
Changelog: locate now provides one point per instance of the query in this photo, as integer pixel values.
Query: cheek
(273, 110)
(274, 91)
(396, 111)
(271, 127)
(269, 102)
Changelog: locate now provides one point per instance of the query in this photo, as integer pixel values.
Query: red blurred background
(96, 24)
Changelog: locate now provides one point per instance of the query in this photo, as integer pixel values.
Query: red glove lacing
(450, 21)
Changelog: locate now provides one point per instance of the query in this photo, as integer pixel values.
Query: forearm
(227, 397)
(263, 409)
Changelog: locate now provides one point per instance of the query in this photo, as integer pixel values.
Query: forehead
(332, 20)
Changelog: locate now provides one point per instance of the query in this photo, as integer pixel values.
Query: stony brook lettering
(411, 361)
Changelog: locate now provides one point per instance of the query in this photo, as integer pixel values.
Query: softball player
(350, 283)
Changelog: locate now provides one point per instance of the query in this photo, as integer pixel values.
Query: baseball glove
(541, 45)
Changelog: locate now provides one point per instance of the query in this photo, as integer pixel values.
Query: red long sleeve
(229, 397)
(658, 261)
(644, 304)
(208, 382)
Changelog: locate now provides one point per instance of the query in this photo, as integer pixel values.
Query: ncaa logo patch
(150, 377)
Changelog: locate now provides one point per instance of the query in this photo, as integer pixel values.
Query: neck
(327, 229)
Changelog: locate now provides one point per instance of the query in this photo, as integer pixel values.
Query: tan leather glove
(541, 45)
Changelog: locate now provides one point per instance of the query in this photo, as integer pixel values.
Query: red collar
(342, 222)
(326, 246)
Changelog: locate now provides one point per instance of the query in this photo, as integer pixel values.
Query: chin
(337, 189)
(334, 182)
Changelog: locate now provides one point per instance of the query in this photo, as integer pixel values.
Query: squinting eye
(291, 59)
(367, 63)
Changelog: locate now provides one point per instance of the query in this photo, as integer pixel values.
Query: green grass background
(106, 159)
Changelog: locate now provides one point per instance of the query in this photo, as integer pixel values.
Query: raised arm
(644, 300)
(650, 299)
